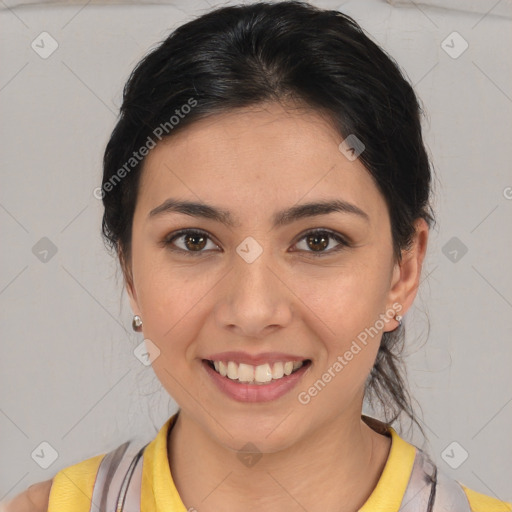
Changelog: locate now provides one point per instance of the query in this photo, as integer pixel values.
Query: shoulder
(73, 486)
(70, 489)
(67, 490)
(454, 495)
(447, 492)
(33, 499)
(483, 503)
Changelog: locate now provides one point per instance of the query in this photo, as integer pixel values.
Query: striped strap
(431, 490)
(118, 481)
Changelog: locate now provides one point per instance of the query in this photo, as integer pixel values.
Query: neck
(341, 462)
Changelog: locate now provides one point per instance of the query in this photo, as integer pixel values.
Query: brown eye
(193, 242)
(317, 241)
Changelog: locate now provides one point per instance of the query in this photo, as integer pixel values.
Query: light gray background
(68, 373)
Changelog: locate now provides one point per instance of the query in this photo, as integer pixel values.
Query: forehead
(255, 161)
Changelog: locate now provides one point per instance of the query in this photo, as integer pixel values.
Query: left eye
(319, 238)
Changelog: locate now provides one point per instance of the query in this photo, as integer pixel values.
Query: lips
(254, 391)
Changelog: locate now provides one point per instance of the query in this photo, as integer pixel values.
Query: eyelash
(167, 242)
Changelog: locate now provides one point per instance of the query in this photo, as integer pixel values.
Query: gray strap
(419, 493)
(104, 478)
(118, 481)
(130, 492)
(431, 490)
(450, 495)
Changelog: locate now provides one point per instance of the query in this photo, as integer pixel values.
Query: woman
(266, 190)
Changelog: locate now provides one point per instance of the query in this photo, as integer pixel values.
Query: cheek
(342, 310)
(170, 303)
(165, 290)
(343, 318)
(347, 297)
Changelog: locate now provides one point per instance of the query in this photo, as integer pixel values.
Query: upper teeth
(261, 373)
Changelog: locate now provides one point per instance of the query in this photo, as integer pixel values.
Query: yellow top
(72, 486)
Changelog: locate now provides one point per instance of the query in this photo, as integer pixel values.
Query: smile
(262, 383)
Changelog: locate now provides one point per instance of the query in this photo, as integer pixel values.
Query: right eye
(192, 238)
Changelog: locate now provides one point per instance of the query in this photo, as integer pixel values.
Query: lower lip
(243, 392)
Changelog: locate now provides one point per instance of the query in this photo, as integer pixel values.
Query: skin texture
(33, 499)
(253, 162)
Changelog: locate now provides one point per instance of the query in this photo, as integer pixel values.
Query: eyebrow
(281, 218)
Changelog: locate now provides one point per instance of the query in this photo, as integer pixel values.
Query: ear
(128, 281)
(406, 273)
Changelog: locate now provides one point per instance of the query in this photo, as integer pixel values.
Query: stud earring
(137, 323)
(398, 318)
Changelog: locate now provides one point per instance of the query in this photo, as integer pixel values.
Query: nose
(254, 300)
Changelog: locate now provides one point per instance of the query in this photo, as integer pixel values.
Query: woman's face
(262, 288)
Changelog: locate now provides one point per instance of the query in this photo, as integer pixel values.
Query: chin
(266, 437)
